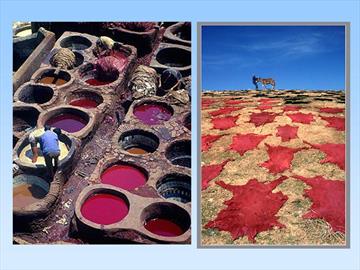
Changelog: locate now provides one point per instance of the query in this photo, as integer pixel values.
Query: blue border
(172, 257)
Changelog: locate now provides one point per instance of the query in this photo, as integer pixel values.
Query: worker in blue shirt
(49, 145)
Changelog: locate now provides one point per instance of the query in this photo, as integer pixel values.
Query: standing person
(49, 145)
(255, 80)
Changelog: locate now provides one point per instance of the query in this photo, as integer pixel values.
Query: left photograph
(101, 133)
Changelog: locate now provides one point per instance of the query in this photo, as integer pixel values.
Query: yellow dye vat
(26, 154)
(24, 33)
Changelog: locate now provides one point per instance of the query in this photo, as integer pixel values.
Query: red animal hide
(331, 110)
(301, 118)
(208, 140)
(209, 172)
(335, 153)
(225, 110)
(242, 143)
(224, 122)
(263, 107)
(251, 210)
(287, 132)
(259, 119)
(280, 158)
(289, 108)
(335, 122)
(328, 197)
(234, 102)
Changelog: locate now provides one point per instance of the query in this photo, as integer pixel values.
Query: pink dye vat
(123, 176)
(69, 122)
(104, 209)
(152, 114)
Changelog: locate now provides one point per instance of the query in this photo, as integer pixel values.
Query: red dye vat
(225, 110)
(251, 210)
(97, 82)
(287, 132)
(242, 143)
(152, 114)
(84, 103)
(163, 227)
(335, 153)
(123, 176)
(289, 108)
(328, 197)
(335, 122)
(210, 172)
(68, 122)
(259, 119)
(331, 110)
(280, 158)
(301, 118)
(104, 209)
(224, 122)
(207, 141)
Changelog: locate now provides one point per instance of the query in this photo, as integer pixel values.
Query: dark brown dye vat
(179, 153)
(175, 186)
(28, 189)
(174, 57)
(24, 118)
(139, 142)
(76, 43)
(36, 94)
(49, 77)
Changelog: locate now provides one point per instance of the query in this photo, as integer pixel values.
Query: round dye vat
(163, 227)
(52, 80)
(86, 103)
(26, 194)
(124, 176)
(26, 154)
(68, 122)
(152, 113)
(28, 189)
(104, 209)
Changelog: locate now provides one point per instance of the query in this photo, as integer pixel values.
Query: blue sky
(297, 57)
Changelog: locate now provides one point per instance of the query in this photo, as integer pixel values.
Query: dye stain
(163, 227)
(86, 103)
(152, 114)
(52, 80)
(104, 209)
(26, 194)
(136, 151)
(123, 176)
(69, 122)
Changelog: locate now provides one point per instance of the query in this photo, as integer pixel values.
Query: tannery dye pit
(69, 122)
(96, 135)
(124, 176)
(104, 209)
(153, 113)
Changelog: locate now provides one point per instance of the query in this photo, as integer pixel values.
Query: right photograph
(274, 135)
